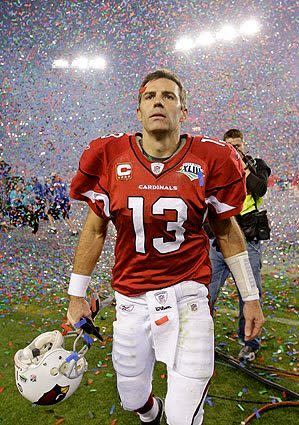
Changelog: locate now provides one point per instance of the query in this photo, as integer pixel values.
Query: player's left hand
(254, 319)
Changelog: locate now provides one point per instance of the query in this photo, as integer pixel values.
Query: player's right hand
(78, 308)
(254, 319)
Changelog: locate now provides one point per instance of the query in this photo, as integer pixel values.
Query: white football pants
(135, 340)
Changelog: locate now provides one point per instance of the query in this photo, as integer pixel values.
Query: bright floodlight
(227, 33)
(184, 43)
(81, 63)
(60, 63)
(250, 27)
(205, 39)
(97, 63)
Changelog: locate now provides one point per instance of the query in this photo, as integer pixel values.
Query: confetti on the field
(49, 115)
(257, 414)
(90, 414)
(112, 410)
(209, 401)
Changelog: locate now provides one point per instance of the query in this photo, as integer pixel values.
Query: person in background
(4, 174)
(59, 204)
(255, 228)
(49, 205)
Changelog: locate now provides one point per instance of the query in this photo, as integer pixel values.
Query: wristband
(240, 268)
(78, 285)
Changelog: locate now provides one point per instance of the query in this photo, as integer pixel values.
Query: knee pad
(185, 399)
(179, 418)
(134, 391)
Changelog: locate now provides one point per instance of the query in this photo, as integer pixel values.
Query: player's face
(160, 109)
(237, 142)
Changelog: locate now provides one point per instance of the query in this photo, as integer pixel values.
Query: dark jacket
(256, 183)
(257, 180)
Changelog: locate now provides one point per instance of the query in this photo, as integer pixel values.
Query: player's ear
(184, 115)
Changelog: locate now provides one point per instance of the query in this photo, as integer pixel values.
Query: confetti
(49, 115)
(257, 414)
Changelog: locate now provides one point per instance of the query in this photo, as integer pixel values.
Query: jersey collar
(169, 164)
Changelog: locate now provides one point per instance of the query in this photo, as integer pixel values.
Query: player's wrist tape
(78, 285)
(240, 268)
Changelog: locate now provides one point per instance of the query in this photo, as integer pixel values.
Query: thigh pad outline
(131, 348)
(195, 349)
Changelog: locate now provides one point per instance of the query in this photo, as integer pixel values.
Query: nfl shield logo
(157, 167)
(161, 297)
(193, 306)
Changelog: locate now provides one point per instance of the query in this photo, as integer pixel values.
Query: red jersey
(158, 208)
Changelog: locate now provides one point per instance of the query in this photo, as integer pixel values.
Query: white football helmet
(46, 373)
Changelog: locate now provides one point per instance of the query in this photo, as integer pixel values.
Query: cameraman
(255, 228)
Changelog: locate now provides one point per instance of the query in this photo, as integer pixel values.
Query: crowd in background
(27, 202)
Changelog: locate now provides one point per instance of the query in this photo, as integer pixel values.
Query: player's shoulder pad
(212, 145)
(99, 144)
(209, 140)
(215, 151)
(97, 152)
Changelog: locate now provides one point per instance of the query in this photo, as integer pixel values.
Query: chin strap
(87, 324)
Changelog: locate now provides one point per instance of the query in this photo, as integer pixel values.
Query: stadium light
(97, 63)
(250, 27)
(185, 43)
(60, 63)
(205, 39)
(81, 63)
(226, 33)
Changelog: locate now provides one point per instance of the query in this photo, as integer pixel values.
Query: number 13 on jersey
(136, 204)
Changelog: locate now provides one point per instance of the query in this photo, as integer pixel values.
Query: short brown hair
(233, 133)
(165, 73)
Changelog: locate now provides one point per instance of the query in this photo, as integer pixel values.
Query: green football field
(96, 400)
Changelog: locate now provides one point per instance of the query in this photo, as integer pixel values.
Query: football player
(158, 187)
